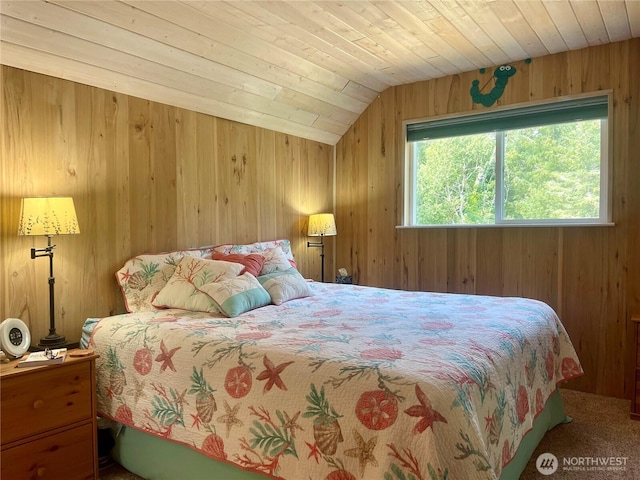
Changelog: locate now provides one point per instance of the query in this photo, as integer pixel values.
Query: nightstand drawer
(46, 398)
(66, 455)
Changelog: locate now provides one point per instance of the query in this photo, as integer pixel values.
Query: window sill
(509, 225)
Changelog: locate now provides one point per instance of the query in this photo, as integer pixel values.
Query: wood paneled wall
(145, 177)
(591, 276)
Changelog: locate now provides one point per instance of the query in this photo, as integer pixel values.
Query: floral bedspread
(351, 383)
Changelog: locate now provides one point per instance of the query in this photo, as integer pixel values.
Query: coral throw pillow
(252, 262)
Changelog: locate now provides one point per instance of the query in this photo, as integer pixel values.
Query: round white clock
(15, 337)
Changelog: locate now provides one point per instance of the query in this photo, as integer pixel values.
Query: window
(540, 164)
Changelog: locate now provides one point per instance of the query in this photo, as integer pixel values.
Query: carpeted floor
(116, 472)
(601, 429)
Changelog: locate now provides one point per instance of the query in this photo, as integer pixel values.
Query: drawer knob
(41, 472)
(38, 404)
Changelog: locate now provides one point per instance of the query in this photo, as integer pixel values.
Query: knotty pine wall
(145, 177)
(590, 275)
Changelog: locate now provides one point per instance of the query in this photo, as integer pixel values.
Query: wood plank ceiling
(307, 68)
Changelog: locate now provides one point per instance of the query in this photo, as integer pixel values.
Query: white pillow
(285, 286)
(143, 276)
(185, 287)
(238, 295)
(275, 260)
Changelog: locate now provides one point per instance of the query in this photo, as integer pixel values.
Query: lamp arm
(43, 252)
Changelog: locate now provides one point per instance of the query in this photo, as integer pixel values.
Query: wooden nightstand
(635, 400)
(48, 425)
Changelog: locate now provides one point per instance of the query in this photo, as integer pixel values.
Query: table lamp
(321, 225)
(48, 216)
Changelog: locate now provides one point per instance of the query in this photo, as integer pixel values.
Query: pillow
(252, 262)
(185, 288)
(143, 276)
(259, 247)
(285, 286)
(237, 295)
(274, 261)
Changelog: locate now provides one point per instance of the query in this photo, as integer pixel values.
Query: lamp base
(53, 340)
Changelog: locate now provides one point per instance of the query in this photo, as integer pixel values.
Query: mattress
(352, 382)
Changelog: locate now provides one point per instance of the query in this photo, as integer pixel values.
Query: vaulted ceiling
(307, 68)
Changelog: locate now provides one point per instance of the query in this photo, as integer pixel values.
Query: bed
(324, 381)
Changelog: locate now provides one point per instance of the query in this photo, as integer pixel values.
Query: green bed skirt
(552, 414)
(155, 459)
